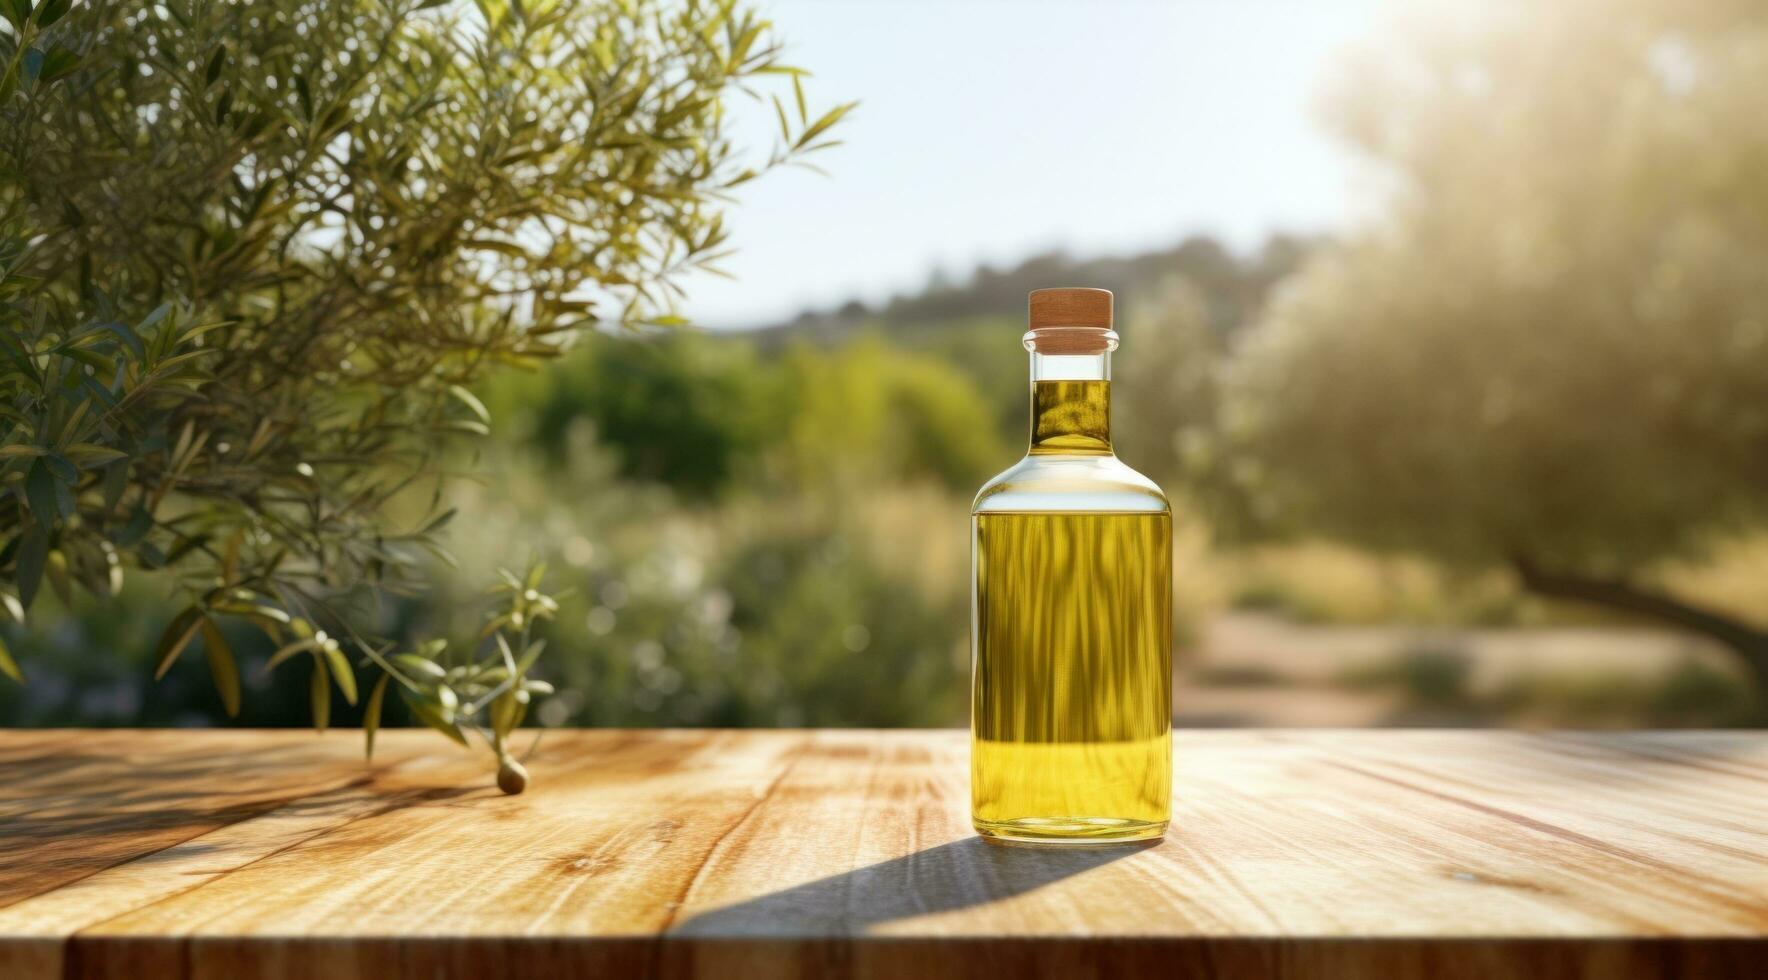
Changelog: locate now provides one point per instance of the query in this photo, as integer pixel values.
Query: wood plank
(75, 802)
(841, 853)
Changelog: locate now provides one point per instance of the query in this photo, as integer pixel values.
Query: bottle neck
(1071, 404)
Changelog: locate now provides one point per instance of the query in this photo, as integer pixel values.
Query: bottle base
(1070, 831)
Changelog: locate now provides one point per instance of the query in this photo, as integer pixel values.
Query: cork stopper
(1071, 321)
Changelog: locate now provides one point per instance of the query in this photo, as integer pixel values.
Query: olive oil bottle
(1071, 704)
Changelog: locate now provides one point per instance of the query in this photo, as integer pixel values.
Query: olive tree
(254, 255)
(1550, 351)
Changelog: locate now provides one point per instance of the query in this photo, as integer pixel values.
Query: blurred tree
(766, 605)
(869, 412)
(682, 409)
(1164, 388)
(1553, 352)
(340, 216)
(701, 413)
(829, 638)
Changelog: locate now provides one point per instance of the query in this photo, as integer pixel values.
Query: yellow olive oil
(1072, 701)
(1070, 417)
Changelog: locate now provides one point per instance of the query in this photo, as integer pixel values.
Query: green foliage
(765, 605)
(1430, 676)
(489, 693)
(254, 255)
(789, 628)
(855, 646)
(681, 409)
(1179, 306)
(868, 411)
(1556, 346)
(705, 413)
(1164, 389)
(1690, 694)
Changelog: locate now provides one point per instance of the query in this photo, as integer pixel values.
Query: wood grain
(718, 854)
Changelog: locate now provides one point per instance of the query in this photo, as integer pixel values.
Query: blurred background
(1445, 326)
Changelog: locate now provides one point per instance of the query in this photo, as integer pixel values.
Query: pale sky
(991, 131)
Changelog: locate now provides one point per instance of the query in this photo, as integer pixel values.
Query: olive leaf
(57, 62)
(221, 666)
(9, 666)
(371, 715)
(471, 401)
(33, 551)
(40, 493)
(341, 673)
(177, 635)
(51, 11)
(429, 716)
(319, 694)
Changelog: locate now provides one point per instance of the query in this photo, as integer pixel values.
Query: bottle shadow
(950, 876)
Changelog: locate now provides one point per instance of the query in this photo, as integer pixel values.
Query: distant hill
(975, 325)
(1232, 286)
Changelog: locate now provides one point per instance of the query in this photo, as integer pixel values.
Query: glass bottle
(1071, 610)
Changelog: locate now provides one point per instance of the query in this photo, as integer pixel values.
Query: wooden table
(726, 854)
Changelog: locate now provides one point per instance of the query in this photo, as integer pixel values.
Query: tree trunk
(1750, 643)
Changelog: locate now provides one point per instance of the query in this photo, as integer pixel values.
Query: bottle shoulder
(1068, 483)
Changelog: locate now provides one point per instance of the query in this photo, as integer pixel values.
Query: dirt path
(1258, 669)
